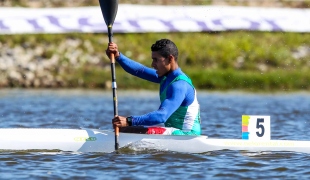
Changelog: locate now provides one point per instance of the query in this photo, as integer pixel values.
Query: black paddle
(109, 11)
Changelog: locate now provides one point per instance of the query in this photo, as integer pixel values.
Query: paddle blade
(109, 10)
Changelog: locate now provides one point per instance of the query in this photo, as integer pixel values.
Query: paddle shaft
(109, 11)
(114, 87)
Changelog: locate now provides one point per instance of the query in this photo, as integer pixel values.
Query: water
(221, 118)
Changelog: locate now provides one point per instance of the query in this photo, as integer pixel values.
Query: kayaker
(179, 112)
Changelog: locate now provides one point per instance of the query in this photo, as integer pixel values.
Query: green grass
(248, 80)
(277, 80)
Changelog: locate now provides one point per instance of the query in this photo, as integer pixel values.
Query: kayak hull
(92, 140)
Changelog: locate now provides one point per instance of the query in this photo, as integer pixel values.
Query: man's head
(164, 55)
(165, 47)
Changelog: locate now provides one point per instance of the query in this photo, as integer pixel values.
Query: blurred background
(60, 3)
(235, 58)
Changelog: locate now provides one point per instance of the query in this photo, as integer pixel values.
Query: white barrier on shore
(143, 18)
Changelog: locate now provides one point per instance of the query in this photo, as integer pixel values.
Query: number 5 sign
(255, 127)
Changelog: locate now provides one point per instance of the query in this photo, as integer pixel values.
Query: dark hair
(165, 47)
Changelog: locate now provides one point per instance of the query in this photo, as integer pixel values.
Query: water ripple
(221, 118)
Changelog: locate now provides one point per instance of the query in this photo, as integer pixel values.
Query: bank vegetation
(254, 61)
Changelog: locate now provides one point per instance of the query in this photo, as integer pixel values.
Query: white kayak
(92, 140)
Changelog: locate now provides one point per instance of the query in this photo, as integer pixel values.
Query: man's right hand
(112, 49)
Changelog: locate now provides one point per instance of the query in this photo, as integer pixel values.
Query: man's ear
(170, 57)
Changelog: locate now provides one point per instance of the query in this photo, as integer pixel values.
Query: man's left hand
(119, 121)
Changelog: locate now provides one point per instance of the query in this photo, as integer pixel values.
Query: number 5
(260, 126)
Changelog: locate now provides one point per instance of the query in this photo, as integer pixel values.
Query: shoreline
(79, 61)
(138, 92)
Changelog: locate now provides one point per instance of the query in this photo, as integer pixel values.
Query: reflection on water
(221, 118)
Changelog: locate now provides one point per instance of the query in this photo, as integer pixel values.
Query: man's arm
(178, 93)
(138, 69)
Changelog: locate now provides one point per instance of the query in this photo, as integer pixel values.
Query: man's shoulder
(181, 84)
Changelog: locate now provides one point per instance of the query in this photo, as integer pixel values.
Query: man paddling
(178, 113)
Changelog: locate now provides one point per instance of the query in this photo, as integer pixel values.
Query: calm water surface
(221, 118)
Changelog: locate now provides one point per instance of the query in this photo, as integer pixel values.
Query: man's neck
(174, 66)
(171, 71)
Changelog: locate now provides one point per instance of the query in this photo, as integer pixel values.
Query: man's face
(160, 64)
